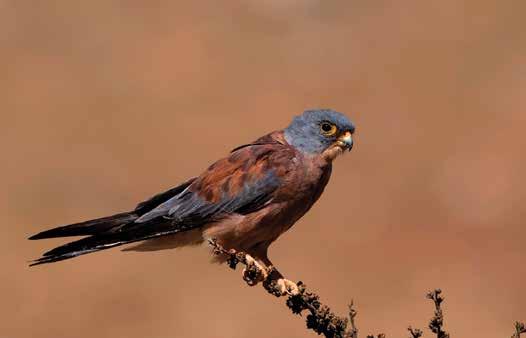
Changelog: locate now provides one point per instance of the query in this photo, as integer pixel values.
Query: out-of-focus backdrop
(104, 103)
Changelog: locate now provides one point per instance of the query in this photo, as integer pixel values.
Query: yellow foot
(254, 272)
(287, 287)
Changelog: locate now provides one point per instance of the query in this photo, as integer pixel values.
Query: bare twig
(519, 328)
(353, 332)
(436, 323)
(415, 333)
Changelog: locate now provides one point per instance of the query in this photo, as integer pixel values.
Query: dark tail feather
(127, 233)
(111, 231)
(74, 249)
(92, 227)
(101, 231)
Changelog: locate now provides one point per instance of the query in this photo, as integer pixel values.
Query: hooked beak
(345, 141)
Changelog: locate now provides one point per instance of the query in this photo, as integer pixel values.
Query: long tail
(101, 232)
(111, 231)
(92, 227)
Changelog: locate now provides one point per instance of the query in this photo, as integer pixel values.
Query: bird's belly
(187, 238)
(243, 232)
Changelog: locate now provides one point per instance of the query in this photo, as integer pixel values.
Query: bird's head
(322, 132)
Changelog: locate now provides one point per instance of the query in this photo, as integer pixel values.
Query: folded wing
(242, 183)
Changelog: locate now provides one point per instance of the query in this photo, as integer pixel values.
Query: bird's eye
(328, 129)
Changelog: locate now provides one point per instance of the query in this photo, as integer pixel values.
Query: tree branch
(519, 328)
(320, 318)
(436, 323)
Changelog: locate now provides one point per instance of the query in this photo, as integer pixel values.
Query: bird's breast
(291, 202)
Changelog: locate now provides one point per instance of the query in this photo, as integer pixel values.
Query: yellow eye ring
(328, 129)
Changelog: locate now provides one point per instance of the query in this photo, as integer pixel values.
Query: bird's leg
(258, 270)
(253, 273)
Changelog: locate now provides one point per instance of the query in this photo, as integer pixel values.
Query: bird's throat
(332, 153)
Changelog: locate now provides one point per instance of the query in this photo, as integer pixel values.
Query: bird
(243, 201)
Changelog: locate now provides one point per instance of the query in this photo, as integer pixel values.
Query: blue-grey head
(321, 131)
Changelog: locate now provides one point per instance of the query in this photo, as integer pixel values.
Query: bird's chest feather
(299, 191)
(299, 194)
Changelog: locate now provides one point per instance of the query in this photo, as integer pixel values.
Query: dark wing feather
(227, 187)
(91, 227)
(154, 201)
(241, 183)
(104, 224)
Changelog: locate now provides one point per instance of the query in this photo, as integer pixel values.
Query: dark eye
(328, 129)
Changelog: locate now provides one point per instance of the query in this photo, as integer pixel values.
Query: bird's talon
(287, 287)
(254, 272)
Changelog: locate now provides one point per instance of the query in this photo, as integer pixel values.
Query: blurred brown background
(104, 103)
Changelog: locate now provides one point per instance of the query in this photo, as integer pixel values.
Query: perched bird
(244, 201)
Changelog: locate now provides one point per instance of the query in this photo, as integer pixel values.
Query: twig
(519, 328)
(353, 332)
(415, 333)
(436, 323)
(320, 319)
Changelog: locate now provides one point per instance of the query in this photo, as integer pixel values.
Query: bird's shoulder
(265, 162)
(269, 165)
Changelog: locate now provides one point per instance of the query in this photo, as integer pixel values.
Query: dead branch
(436, 323)
(415, 333)
(519, 328)
(320, 318)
